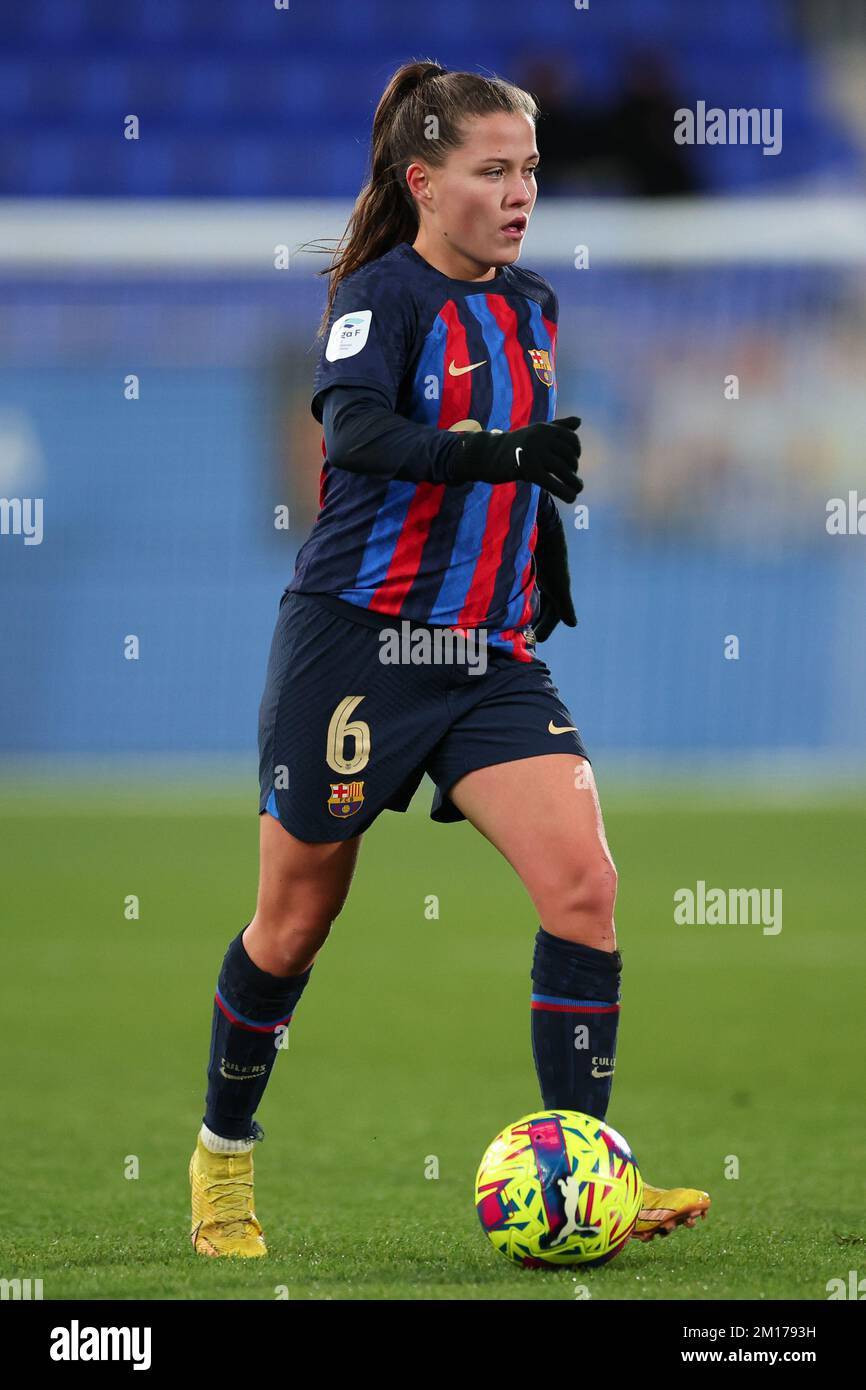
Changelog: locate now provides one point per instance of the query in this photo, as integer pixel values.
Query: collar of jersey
(481, 285)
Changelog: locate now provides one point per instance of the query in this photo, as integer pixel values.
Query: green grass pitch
(412, 1040)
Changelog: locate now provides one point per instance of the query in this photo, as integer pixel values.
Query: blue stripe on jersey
(431, 364)
(458, 578)
(381, 542)
(494, 339)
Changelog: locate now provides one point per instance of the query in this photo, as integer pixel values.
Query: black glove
(554, 583)
(545, 453)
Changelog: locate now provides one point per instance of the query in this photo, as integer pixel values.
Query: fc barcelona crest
(346, 798)
(541, 362)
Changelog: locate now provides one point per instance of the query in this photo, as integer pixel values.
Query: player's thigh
(544, 816)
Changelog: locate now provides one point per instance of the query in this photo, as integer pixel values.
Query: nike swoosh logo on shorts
(566, 728)
(461, 371)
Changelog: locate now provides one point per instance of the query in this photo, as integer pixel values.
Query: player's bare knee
(596, 889)
(292, 941)
(586, 902)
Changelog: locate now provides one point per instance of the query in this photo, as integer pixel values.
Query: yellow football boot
(223, 1219)
(665, 1208)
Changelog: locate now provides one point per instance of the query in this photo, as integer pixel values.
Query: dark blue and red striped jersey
(455, 355)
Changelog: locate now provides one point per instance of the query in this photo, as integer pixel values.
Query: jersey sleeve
(370, 337)
(363, 435)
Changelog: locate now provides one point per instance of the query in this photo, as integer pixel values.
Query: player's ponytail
(420, 115)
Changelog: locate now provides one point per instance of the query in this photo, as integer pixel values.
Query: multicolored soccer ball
(558, 1188)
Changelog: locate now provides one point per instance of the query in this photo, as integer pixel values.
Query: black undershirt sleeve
(548, 517)
(364, 435)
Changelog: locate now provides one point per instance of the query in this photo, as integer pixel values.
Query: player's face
(485, 184)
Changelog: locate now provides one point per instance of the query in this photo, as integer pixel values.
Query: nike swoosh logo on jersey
(517, 453)
(461, 371)
(566, 728)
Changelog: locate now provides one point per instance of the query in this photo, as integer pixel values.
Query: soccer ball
(558, 1188)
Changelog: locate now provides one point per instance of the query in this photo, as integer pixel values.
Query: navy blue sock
(249, 1005)
(575, 1012)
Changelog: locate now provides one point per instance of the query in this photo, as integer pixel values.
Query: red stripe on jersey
(456, 390)
(406, 558)
(518, 643)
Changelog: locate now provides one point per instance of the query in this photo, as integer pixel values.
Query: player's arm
(364, 435)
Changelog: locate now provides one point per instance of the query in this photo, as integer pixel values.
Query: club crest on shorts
(540, 359)
(346, 798)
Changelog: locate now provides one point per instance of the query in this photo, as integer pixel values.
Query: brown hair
(385, 213)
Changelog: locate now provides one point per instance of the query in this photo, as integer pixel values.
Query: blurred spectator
(627, 147)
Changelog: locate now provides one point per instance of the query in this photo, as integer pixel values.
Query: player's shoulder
(390, 274)
(535, 286)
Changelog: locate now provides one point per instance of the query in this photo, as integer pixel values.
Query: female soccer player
(437, 524)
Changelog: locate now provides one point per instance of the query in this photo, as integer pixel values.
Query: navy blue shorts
(344, 736)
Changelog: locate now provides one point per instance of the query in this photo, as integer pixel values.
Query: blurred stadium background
(155, 256)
